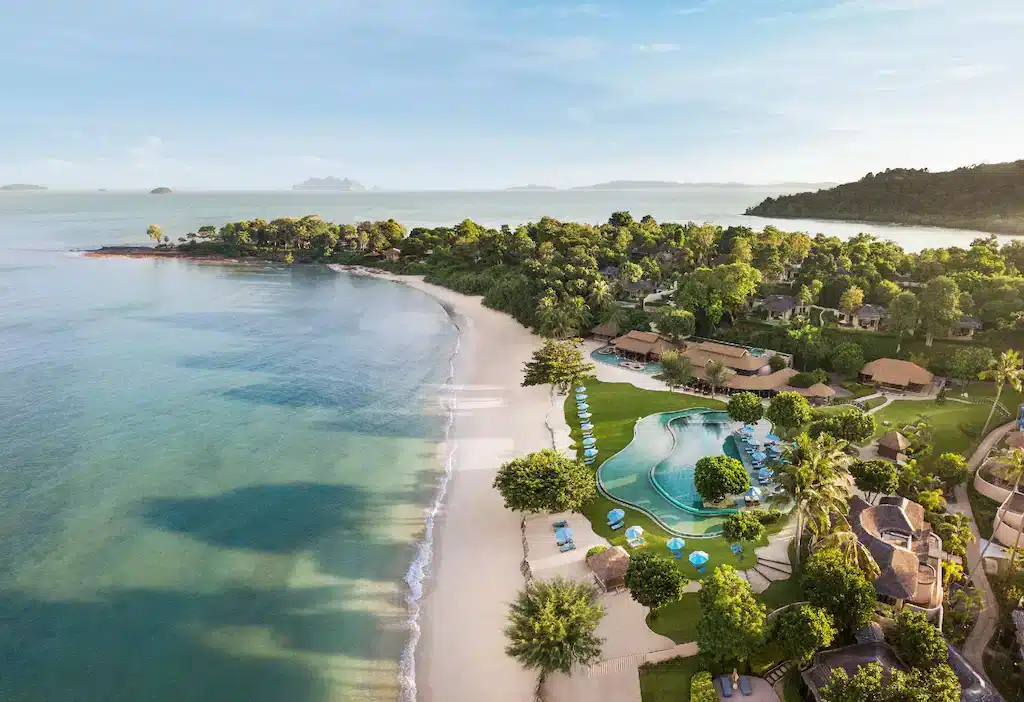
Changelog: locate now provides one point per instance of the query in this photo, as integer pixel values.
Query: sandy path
(479, 550)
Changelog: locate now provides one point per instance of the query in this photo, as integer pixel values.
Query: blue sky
(462, 94)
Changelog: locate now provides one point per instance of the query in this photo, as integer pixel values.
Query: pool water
(610, 359)
(654, 473)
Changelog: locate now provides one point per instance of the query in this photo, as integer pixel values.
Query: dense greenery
(718, 476)
(702, 689)
(983, 197)
(552, 626)
(743, 526)
(557, 363)
(788, 410)
(868, 684)
(545, 481)
(830, 581)
(917, 642)
(732, 621)
(745, 407)
(851, 425)
(653, 581)
(875, 477)
(802, 630)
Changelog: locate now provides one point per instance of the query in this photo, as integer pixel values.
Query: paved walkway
(985, 627)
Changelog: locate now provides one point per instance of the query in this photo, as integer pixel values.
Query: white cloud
(656, 48)
(971, 71)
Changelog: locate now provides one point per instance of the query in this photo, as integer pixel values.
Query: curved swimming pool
(654, 473)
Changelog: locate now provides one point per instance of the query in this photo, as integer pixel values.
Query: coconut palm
(717, 375)
(855, 553)
(816, 480)
(600, 293)
(1005, 370)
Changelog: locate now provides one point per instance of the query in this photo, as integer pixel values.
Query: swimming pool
(654, 473)
(611, 359)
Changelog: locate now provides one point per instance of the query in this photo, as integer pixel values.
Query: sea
(218, 482)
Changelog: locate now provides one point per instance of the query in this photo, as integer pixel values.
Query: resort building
(638, 290)
(893, 373)
(892, 446)
(610, 568)
(906, 550)
(867, 317)
(965, 327)
(736, 358)
(782, 308)
(814, 678)
(991, 481)
(392, 255)
(605, 332)
(641, 345)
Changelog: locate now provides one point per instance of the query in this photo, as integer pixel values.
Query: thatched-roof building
(892, 446)
(610, 567)
(894, 373)
(605, 331)
(644, 345)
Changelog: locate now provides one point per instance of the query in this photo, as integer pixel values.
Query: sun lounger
(736, 549)
(617, 525)
(636, 543)
(567, 546)
(677, 554)
(560, 525)
(745, 685)
(724, 685)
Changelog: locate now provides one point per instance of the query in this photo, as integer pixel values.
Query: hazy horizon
(462, 95)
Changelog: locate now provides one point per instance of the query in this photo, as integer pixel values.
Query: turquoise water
(609, 359)
(655, 471)
(213, 478)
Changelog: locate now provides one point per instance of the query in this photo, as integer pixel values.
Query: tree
(851, 299)
(557, 363)
(852, 550)
(1012, 464)
(717, 375)
(848, 359)
(809, 344)
(876, 477)
(885, 292)
(653, 581)
(630, 272)
(863, 686)
(155, 233)
(702, 689)
(804, 296)
(545, 481)
(903, 316)
(675, 323)
(788, 410)
(951, 469)
(732, 622)
(814, 479)
(745, 407)
(777, 363)
(677, 369)
(918, 643)
(742, 526)
(955, 531)
(940, 307)
(931, 500)
(1006, 370)
(969, 362)
(852, 425)
(552, 626)
(830, 581)
(718, 476)
(803, 630)
(938, 684)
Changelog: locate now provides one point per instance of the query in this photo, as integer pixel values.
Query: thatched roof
(870, 312)
(891, 371)
(610, 566)
(967, 322)
(816, 390)
(895, 441)
(606, 329)
(898, 564)
(736, 357)
(779, 304)
(778, 380)
(643, 343)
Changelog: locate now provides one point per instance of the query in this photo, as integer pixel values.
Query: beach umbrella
(589, 441)
(615, 515)
(634, 532)
(759, 455)
(773, 438)
(754, 492)
(590, 452)
(564, 534)
(581, 395)
(582, 406)
(581, 388)
(675, 544)
(588, 461)
(698, 558)
(587, 426)
(584, 415)
(747, 429)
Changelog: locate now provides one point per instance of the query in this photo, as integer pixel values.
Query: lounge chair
(560, 525)
(703, 569)
(736, 549)
(617, 525)
(745, 685)
(725, 686)
(636, 543)
(567, 546)
(677, 554)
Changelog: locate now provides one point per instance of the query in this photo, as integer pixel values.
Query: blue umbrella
(754, 492)
(698, 558)
(773, 438)
(615, 515)
(584, 415)
(759, 456)
(581, 388)
(582, 406)
(581, 396)
(590, 452)
(564, 534)
(587, 426)
(634, 532)
(589, 441)
(675, 544)
(747, 429)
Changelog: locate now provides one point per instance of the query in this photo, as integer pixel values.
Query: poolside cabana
(641, 345)
(609, 568)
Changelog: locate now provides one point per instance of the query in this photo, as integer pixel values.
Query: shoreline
(456, 649)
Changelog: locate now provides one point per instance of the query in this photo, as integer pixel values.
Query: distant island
(160, 191)
(331, 183)
(988, 197)
(531, 186)
(672, 185)
(22, 187)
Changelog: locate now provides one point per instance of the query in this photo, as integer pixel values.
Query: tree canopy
(852, 425)
(557, 363)
(875, 477)
(742, 526)
(718, 476)
(802, 630)
(830, 581)
(939, 684)
(732, 622)
(788, 410)
(545, 481)
(653, 581)
(675, 323)
(745, 407)
(916, 641)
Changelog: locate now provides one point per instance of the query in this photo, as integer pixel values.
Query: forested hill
(986, 198)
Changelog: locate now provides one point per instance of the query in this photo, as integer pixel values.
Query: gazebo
(892, 446)
(609, 567)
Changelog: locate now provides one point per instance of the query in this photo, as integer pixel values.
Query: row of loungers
(724, 685)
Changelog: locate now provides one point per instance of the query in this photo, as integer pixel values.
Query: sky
(463, 94)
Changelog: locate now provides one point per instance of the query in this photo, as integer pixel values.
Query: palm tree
(717, 374)
(855, 553)
(600, 293)
(1005, 370)
(815, 479)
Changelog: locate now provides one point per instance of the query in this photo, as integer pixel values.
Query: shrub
(802, 380)
(848, 359)
(743, 526)
(702, 689)
(767, 516)
(777, 363)
(594, 550)
(653, 581)
(919, 643)
(718, 476)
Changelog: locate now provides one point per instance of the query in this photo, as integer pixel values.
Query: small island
(160, 191)
(331, 183)
(22, 187)
(984, 197)
(531, 186)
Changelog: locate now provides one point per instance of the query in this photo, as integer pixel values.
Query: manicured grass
(956, 426)
(678, 620)
(858, 389)
(873, 403)
(616, 408)
(669, 681)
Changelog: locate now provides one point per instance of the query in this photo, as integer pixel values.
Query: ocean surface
(213, 479)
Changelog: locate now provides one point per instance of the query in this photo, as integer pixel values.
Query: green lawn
(616, 407)
(873, 403)
(956, 426)
(669, 681)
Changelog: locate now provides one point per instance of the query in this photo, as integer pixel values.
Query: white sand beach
(478, 547)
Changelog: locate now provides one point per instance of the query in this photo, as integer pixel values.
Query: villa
(893, 373)
(638, 290)
(965, 327)
(392, 255)
(782, 308)
(641, 345)
(906, 550)
(892, 446)
(605, 332)
(867, 317)
(736, 358)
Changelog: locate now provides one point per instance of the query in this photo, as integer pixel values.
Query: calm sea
(213, 479)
